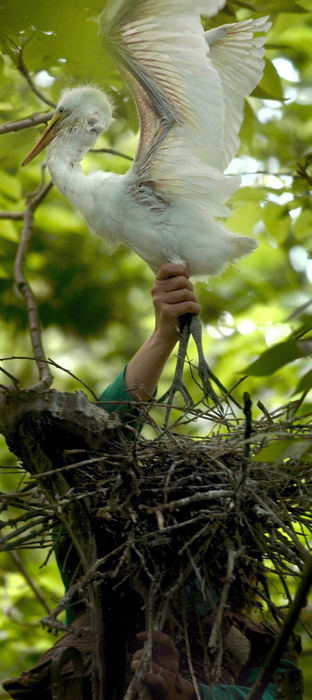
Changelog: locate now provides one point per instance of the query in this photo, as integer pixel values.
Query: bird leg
(204, 370)
(177, 383)
(189, 324)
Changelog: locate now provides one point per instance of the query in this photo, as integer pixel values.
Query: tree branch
(20, 124)
(16, 215)
(258, 688)
(16, 54)
(112, 151)
(20, 565)
(45, 377)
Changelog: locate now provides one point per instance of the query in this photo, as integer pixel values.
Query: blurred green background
(94, 304)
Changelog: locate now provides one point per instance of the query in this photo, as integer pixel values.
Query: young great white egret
(189, 87)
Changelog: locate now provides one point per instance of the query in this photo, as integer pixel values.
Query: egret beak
(45, 138)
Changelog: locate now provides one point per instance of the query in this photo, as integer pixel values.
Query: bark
(39, 427)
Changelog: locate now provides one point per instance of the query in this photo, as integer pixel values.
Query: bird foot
(177, 386)
(206, 375)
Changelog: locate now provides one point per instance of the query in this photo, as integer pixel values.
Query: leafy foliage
(94, 306)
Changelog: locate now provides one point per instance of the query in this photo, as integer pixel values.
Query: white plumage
(189, 87)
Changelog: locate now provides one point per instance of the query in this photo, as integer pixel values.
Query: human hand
(172, 295)
(162, 677)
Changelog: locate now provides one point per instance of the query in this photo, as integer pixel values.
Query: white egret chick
(189, 87)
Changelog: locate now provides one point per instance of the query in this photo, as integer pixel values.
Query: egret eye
(61, 110)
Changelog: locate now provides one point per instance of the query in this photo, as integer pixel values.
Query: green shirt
(238, 692)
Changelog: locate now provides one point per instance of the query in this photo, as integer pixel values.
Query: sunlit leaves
(277, 221)
(282, 450)
(270, 86)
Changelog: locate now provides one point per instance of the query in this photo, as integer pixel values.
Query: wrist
(165, 337)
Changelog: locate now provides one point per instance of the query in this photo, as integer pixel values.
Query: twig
(265, 411)
(112, 151)
(15, 215)
(215, 639)
(45, 377)
(23, 528)
(258, 688)
(20, 565)
(26, 123)
(49, 361)
(189, 654)
(248, 418)
(302, 171)
(11, 376)
(208, 496)
(16, 54)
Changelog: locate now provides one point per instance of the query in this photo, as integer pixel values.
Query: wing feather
(189, 88)
(160, 48)
(237, 55)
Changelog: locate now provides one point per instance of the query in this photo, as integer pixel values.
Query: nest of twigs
(194, 526)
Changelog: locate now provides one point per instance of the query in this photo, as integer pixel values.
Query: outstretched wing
(160, 48)
(237, 55)
(182, 82)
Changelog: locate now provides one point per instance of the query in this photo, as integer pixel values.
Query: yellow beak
(45, 138)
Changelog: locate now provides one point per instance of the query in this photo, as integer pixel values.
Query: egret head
(81, 115)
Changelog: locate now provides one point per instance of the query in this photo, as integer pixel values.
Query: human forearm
(172, 295)
(145, 368)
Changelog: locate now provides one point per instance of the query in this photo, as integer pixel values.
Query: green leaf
(283, 449)
(245, 217)
(270, 83)
(305, 383)
(305, 4)
(275, 357)
(247, 128)
(277, 221)
(303, 225)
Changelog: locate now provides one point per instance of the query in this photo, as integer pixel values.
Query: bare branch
(20, 565)
(112, 151)
(257, 690)
(16, 54)
(45, 377)
(302, 170)
(26, 123)
(63, 369)
(11, 376)
(16, 215)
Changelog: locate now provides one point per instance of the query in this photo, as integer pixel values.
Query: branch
(16, 54)
(45, 377)
(16, 215)
(20, 124)
(20, 565)
(257, 690)
(112, 151)
(63, 369)
(11, 376)
(302, 169)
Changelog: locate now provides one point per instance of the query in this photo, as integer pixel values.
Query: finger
(171, 270)
(175, 296)
(161, 638)
(152, 667)
(172, 283)
(138, 654)
(157, 686)
(183, 307)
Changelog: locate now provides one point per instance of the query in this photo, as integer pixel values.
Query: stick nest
(189, 525)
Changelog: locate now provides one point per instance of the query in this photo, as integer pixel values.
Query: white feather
(189, 88)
